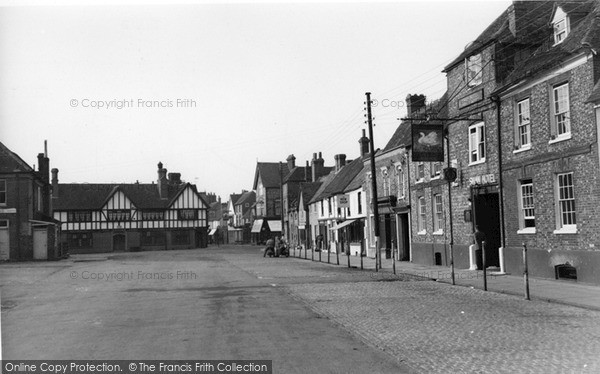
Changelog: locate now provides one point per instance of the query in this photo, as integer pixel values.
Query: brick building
(170, 214)
(550, 166)
(27, 230)
(473, 133)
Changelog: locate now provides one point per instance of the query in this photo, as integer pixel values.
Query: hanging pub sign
(427, 142)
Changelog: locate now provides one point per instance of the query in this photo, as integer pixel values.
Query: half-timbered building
(170, 214)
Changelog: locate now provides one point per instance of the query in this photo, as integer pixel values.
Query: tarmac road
(189, 305)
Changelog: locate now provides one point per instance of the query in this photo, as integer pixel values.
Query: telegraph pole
(373, 185)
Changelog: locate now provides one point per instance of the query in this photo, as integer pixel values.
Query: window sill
(419, 181)
(423, 232)
(482, 161)
(560, 138)
(527, 230)
(435, 177)
(438, 232)
(566, 230)
(522, 149)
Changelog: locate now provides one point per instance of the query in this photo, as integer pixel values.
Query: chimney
(162, 181)
(44, 167)
(364, 144)
(340, 161)
(291, 162)
(414, 103)
(318, 167)
(307, 176)
(55, 182)
(174, 178)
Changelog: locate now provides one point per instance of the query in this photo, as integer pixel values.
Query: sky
(209, 89)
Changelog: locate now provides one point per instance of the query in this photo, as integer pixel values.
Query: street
(232, 303)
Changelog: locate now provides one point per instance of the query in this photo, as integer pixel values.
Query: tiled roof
(585, 33)
(341, 179)
(234, 197)
(522, 22)
(246, 197)
(297, 174)
(269, 174)
(325, 180)
(11, 162)
(94, 196)
(595, 96)
(308, 190)
(359, 179)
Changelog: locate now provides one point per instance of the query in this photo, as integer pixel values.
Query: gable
(118, 200)
(188, 199)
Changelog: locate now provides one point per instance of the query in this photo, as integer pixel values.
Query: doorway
(486, 206)
(119, 242)
(403, 237)
(40, 244)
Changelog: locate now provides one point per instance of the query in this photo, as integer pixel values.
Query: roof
(522, 22)
(268, 173)
(595, 96)
(234, 197)
(297, 174)
(339, 181)
(11, 162)
(325, 180)
(359, 179)
(246, 197)
(94, 196)
(308, 190)
(584, 34)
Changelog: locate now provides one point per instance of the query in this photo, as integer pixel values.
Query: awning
(257, 225)
(344, 224)
(274, 225)
(212, 232)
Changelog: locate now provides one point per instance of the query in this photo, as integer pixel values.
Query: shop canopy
(344, 224)
(257, 226)
(212, 232)
(274, 226)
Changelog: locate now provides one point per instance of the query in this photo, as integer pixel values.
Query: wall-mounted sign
(343, 201)
(427, 143)
(482, 179)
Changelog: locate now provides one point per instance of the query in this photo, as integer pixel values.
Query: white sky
(268, 80)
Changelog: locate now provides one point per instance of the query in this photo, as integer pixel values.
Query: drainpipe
(497, 101)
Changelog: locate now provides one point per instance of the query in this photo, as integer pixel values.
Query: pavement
(555, 291)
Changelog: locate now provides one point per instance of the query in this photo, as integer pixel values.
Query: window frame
(474, 70)
(420, 172)
(561, 227)
(400, 188)
(562, 34)
(554, 131)
(526, 201)
(520, 123)
(479, 147)
(438, 214)
(422, 216)
(3, 192)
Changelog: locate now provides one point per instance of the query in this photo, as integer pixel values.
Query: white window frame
(560, 34)
(420, 172)
(477, 144)
(526, 206)
(438, 214)
(436, 170)
(474, 70)
(400, 188)
(560, 114)
(565, 204)
(385, 181)
(422, 216)
(523, 125)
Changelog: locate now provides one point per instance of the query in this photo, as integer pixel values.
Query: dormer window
(560, 23)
